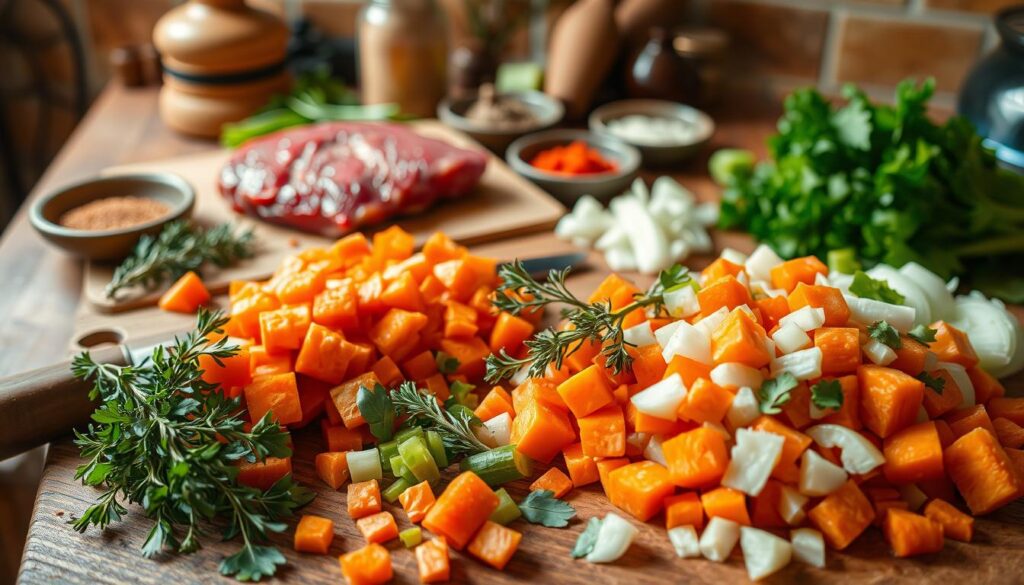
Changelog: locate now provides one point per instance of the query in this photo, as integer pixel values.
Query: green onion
(507, 510)
(498, 466)
(364, 465)
(394, 490)
(436, 446)
(404, 434)
(388, 449)
(399, 470)
(418, 460)
(411, 536)
(843, 260)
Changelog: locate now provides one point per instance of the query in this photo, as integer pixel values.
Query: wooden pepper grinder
(582, 51)
(222, 61)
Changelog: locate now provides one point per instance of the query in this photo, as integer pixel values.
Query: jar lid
(1010, 24)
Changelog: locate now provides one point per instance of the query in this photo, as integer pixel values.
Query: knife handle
(39, 406)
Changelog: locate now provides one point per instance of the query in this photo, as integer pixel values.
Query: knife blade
(539, 267)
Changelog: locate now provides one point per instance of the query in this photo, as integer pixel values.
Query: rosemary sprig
(455, 426)
(169, 441)
(588, 321)
(179, 248)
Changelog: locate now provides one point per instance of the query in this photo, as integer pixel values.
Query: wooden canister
(222, 61)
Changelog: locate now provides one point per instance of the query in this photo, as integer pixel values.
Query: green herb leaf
(541, 507)
(827, 394)
(587, 539)
(775, 393)
(869, 288)
(923, 334)
(934, 382)
(375, 407)
(885, 333)
(460, 391)
(252, 563)
(447, 364)
(674, 277)
(454, 426)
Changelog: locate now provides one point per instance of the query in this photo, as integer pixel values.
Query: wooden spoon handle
(41, 405)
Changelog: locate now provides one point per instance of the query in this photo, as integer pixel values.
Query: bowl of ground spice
(103, 218)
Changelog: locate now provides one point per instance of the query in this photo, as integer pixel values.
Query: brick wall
(874, 43)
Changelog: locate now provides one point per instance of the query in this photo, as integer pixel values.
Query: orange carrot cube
(955, 524)
(727, 503)
(276, 394)
(799, 270)
(843, 515)
(332, 469)
(582, 468)
(696, 458)
(840, 349)
(417, 500)
(363, 499)
(911, 534)
(982, 472)
(379, 527)
(370, 565)
(828, 298)
(586, 391)
(553, 480)
(541, 432)
(640, 488)
(684, 510)
(314, 534)
(603, 432)
(495, 544)
(890, 399)
(913, 454)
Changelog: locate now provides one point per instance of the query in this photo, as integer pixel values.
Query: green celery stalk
(411, 536)
(388, 449)
(404, 434)
(843, 260)
(436, 446)
(391, 493)
(498, 466)
(417, 459)
(398, 469)
(507, 510)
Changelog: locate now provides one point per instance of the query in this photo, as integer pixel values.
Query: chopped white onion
(682, 302)
(500, 428)
(613, 539)
(661, 399)
(868, 311)
(806, 318)
(734, 256)
(819, 476)
(685, 541)
(710, 323)
(736, 375)
(639, 335)
(689, 341)
(744, 408)
(364, 465)
(808, 546)
(791, 505)
(653, 451)
(803, 365)
(763, 552)
(962, 380)
(753, 458)
(789, 338)
(858, 455)
(760, 263)
(665, 332)
(913, 296)
(719, 538)
(933, 288)
(995, 334)
(879, 353)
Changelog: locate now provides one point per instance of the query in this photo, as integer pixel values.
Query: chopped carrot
(725, 292)
(186, 295)
(432, 561)
(363, 499)
(387, 371)
(539, 390)
(705, 402)
(849, 414)
(772, 310)
(370, 565)
(840, 349)
(828, 298)
(986, 386)
(882, 508)
(495, 544)
(509, 333)
(890, 399)
(793, 446)
(554, 480)
(606, 466)
(955, 524)
(684, 510)
(417, 500)
(689, 370)
(582, 468)
(277, 394)
(586, 391)
(284, 328)
(799, 270)
(264, 363)
(340, 438)
(639, 488)
(937, 404)
(843, 515)
(336, 307)
(420, 366)
(913, 454)
(324, 355)
(379, 527)
(982, 472)
(952, 345)
(1011, 409)
(461, 509)
(911, 356)
(765, 507)
(231, 372)
(471, 354)
(1010, 434)
(496, 402)
(911, 534)
(394, 329)
(603, 432)
(720, 268)
(648, 364)
(262, 475)
(541, 432)
(314, 534)
(696, 458)
(727, 503)
(332, 469)
(967, 419)
(344, 398)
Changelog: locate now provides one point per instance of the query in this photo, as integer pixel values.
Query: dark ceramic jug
(992, 98)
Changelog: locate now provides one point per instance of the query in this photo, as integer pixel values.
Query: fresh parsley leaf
(935, 383)
(775, 393)
(885, 333)
(376, 408)
(461, 391)
(827, 394)
(541, 507)
(866, 287)
(447, 364)
(674, 277)
(587, 539)
(853, 124)
(923, 333)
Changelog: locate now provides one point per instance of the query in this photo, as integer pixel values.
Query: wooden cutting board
(504, 204)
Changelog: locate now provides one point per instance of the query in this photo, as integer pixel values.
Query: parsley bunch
(170, 442)
(887, 183)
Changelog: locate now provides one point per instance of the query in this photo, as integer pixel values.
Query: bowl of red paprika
(572, 163)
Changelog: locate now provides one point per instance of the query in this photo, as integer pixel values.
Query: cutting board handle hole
(100, 337)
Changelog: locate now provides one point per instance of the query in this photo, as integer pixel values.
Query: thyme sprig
(454, 425)
(595, 321)
(167, 440)
(179, 248)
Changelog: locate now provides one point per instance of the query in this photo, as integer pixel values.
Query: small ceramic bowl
(548, 111)
(172, 190)
(568, 188)
(657, 154)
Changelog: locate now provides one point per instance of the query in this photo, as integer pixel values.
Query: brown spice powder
(111, 213)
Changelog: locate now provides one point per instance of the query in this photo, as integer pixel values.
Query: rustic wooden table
(39, 301)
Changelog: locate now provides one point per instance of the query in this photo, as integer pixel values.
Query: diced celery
(727, 165)
(843, 260)
(507, 509)
(519, 76)
(394, 490)
(404, 434)
(417, 459)
(498, 466)
(364, 465)
(436, 446)
(388, 450)
(461, 392)
(399, 469)
(411, 536)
